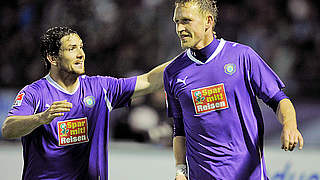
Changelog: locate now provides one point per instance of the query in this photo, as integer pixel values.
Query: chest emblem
(89, 101)
(209, 98)
(73, 131)
(230, 68)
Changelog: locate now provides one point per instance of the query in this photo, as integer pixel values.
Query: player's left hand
(290, 138)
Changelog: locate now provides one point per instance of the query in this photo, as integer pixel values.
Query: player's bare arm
(18, 126)
(179, 150)
(290, 136)
(151, 81)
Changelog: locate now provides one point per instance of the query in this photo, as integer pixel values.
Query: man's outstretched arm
(151, 81)
(18, 126)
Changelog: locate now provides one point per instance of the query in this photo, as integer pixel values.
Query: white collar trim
(213, 55)
(57, 86)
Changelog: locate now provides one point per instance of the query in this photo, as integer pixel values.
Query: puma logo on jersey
(182, 80)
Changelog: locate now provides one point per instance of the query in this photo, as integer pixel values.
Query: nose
(180, 28)
(80, 53)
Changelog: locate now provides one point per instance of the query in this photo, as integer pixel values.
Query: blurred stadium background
(129, 37)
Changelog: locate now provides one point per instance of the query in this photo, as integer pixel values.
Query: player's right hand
(57, 109)
(181, 177)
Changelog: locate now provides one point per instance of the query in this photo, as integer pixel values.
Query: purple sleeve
(173, 108)
(274, 101)
(24, 103)
(264, 82)
(178, 127)
(118, 91)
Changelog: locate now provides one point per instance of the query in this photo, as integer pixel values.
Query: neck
(205, 42)
(204, 53)
(67, 81)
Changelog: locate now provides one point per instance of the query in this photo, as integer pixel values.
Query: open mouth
(79, 64)
(184, 36)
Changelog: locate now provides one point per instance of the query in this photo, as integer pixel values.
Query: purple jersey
(216, 102)
(74, 146)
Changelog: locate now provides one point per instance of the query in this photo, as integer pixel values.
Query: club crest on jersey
(89, 101)
(209, 98)
(18, 100)
(230, 68)
(73, 131)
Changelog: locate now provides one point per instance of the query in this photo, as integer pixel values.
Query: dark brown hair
(50, 42)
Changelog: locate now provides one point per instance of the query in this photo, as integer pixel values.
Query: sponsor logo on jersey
(230, 68)
(73, 131)
(89, 101)
(18, 100)
(209, 98)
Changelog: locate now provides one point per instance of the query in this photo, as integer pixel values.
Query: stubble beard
(183, 45)
(71, 72)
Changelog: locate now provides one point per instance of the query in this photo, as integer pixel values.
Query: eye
(72, 48)
(182, 21)
(186, 21)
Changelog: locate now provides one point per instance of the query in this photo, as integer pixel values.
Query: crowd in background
(128, 37)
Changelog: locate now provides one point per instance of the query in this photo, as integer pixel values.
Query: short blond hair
(205, 6)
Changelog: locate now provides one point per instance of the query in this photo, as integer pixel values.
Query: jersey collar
(213, 55)
(57, 86)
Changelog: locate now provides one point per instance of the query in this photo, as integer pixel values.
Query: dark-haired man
(62, 119)
(211, 93)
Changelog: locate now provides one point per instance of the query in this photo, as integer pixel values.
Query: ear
(52, 60)
(209, 22)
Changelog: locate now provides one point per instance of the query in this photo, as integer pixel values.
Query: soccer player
(211, 92)
(63, 118)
